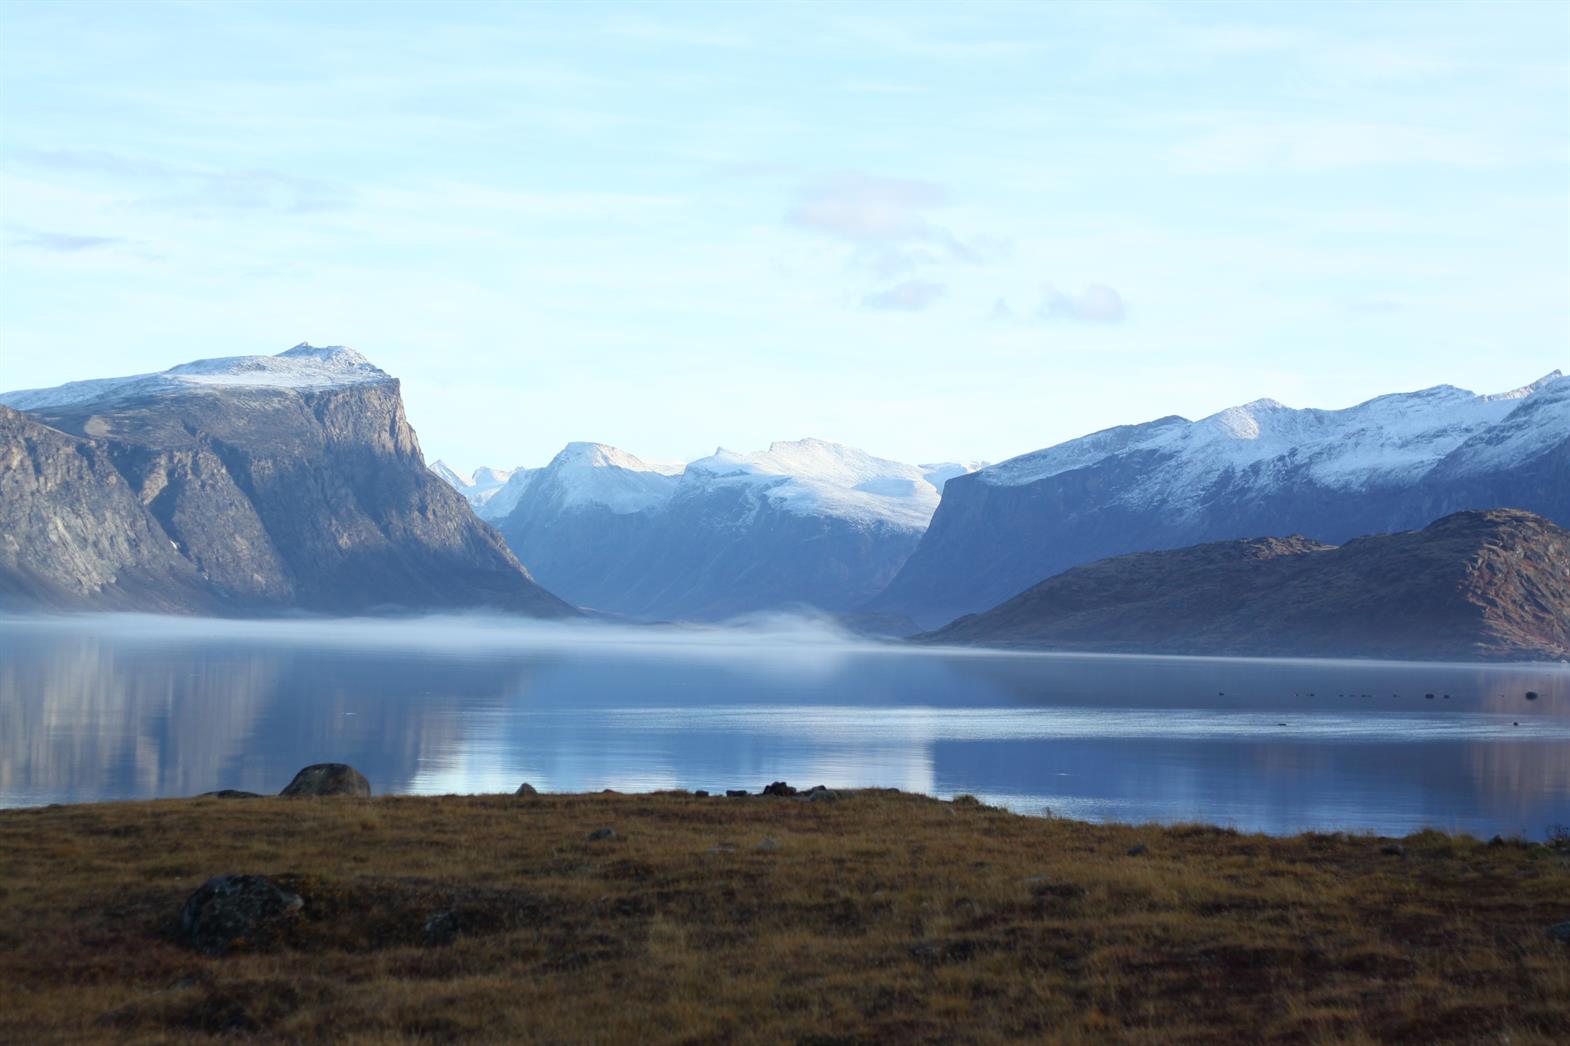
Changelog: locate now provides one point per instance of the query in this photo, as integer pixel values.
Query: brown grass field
(879, 917)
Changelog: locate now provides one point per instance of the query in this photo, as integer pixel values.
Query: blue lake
(124, 707)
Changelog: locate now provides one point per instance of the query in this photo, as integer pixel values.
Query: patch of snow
(302, 367)
(584, 474)
(816, 477)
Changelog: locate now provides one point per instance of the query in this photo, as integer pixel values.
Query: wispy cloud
(889, 221)
(40, 239)
(1097, 303)
(909, 296)
(192, 190)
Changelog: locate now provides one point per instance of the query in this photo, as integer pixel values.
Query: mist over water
(125, 706)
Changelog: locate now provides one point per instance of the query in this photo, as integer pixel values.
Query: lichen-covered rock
(328, 779)
(230, 912)
(526, 789)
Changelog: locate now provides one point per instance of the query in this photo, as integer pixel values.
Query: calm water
(131, 707)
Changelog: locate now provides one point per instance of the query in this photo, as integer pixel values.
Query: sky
(932, 231)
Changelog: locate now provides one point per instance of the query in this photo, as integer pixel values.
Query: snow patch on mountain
(302, 367)
(1389, 440)
(816, 477)
(594, 474)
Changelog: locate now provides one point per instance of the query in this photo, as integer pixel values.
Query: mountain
(485, 489)
(1474, 585)
(805, 523)
(248, 484)
(1392, 463)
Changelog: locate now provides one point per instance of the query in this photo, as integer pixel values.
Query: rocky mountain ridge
(1474, 585)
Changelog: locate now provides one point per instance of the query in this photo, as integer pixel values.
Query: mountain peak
(304, 367)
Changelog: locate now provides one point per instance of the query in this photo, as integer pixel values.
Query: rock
(229, 793)
(825, 795)
(441, 928)
(736, 793)
(527, 789)
(236, 911)
(602, 833)
(1497, 840)
(701, 793)
(1138, 849)
(328, 779)
(779, 788)
(1560, 932)
(1393, 850)
(768, 844)
(1531, 695)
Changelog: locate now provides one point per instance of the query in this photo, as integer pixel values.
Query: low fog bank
(477, 632)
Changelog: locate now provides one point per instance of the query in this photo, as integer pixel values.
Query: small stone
(1429, 696)
(1497, 840)
(701, 793)
(779, 788)
(1560, 932)
(602, 833)
(768, 844)
(229, 793)
(1531, 695)
(736, 793)
(1138, 850)
(236, 911)
(328, 779)
(526, 789)
(440, 928)
(1393, 850)
(824, 796)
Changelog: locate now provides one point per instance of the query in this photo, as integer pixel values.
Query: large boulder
(236, 911)
(328, 779)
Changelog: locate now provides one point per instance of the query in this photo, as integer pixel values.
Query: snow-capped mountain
(249, 484)
(481, 488)
(803, 523)
(1393, 463)
(303, 367)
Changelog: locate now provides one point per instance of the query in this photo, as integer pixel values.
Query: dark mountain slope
(1474, 585)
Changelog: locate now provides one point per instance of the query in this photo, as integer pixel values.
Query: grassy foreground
(878, 917)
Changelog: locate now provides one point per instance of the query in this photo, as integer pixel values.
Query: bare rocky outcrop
(328, 779)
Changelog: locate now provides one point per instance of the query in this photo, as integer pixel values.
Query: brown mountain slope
(1473, 585)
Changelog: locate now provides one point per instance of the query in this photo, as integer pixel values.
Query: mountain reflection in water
(121, 707)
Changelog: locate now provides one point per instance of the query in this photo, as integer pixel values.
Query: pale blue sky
(932, 231)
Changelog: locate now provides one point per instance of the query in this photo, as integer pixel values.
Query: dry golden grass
(880, 917)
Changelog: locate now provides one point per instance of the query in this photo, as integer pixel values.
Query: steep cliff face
(73, 533)
(288, 482)
(1390, 464)
(1474, 585)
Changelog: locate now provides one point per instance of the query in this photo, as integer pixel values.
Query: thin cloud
(888, 220)
(193, 190)
(40, 239)
(1097, 303)
(910, 296)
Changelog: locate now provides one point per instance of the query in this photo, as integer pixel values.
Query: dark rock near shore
(229, 793)
(526, 789)
(779, 788)
(230, 912)
(328, 779)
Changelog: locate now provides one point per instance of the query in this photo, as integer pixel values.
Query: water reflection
(112, 708)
